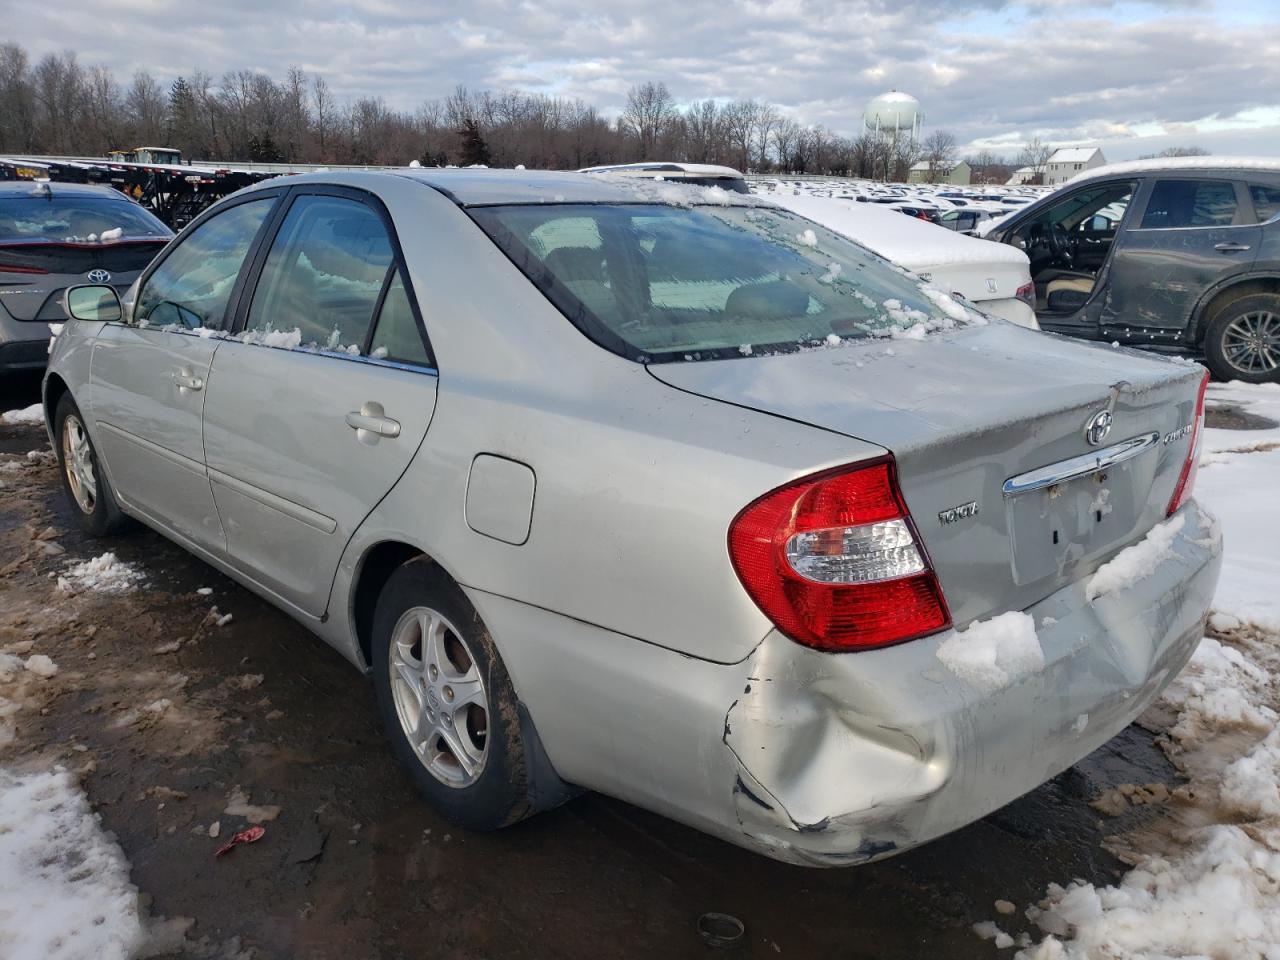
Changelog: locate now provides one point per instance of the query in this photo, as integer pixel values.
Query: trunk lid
(966, 411)
(33, 274)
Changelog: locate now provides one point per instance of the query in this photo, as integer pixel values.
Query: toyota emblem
(98, 276)
(1099, 425)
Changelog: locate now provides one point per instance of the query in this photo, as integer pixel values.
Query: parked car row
(650, 489)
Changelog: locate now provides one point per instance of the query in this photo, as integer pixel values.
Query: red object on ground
(252, 835)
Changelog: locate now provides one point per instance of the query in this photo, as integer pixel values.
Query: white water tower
(893, 114)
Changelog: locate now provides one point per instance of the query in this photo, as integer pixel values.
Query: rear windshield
(75, 219)
(659, 283)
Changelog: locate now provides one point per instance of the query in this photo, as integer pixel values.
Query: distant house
(1069, 162)
(928, 172)
(1021, 177)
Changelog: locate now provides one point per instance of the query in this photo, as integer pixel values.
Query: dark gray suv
(1182, 252)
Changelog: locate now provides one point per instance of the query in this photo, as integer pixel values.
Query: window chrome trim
(1081, 466)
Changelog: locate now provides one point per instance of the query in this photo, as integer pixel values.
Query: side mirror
(93, 302)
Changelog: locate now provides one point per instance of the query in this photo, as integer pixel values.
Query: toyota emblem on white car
(98, 276)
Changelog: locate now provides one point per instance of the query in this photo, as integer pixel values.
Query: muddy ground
(355, 866)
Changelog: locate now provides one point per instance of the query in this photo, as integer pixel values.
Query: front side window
(323, 277)
(193, 284)
(1190, 203)
(1266, 201)
(662, 283)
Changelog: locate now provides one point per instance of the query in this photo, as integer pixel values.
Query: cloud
(991, 71)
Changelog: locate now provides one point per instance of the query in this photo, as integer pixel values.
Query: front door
(316, 408)
(1192, 233)
(149, 376)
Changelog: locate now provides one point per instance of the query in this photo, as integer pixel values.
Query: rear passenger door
(1191, 233)
(317, 406)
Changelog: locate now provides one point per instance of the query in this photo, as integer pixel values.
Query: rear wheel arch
(376, 566)
(1216, 300)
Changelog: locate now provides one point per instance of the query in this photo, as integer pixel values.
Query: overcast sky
(1133, 77)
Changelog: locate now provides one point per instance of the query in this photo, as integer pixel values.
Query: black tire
(1220, 330)
(500, 794)
(103, 517)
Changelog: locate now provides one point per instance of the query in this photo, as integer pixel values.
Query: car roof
(1213, 165)
(42, 190)
(472, 187)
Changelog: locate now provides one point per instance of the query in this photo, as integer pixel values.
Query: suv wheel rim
(1251, 342)
(440, 697)
(77, 461)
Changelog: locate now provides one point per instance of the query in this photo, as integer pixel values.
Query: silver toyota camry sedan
(661, 492)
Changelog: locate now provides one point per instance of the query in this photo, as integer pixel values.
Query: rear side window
(396, 335)
(1190, 203)
(323, 276)
(193, 284)
(1266, 201)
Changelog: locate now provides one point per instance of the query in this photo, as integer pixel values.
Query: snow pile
(64, 884)
(32, 414)
(1135, 562)
(104, 574)
(1210, 889)
(286, 339)
(993, 654)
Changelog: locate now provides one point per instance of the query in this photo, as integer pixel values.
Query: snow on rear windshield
(660, 283)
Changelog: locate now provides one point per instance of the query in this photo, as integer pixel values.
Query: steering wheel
(1059, 242)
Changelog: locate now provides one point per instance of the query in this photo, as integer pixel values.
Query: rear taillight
(834, 561)
(19, 268)
(1190, 466)
(1027, 294)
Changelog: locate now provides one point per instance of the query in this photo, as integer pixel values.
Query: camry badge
(98, 276)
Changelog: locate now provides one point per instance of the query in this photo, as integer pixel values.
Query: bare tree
(1035, 155)
(325, 109)
(939, 151)
(648, 111)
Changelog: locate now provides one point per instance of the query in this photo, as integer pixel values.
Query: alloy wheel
(77, 461)
(440, 697)
(1251, 342)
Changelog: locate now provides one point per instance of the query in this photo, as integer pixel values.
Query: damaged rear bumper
(833, 759)
(843, 759)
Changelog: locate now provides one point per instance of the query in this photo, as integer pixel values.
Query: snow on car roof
(474, 187)
(1262, 164)
(905, 240)
(660, 167)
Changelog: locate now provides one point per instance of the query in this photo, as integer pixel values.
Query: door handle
(1231, 247)
(186, 381)
(371, 423)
